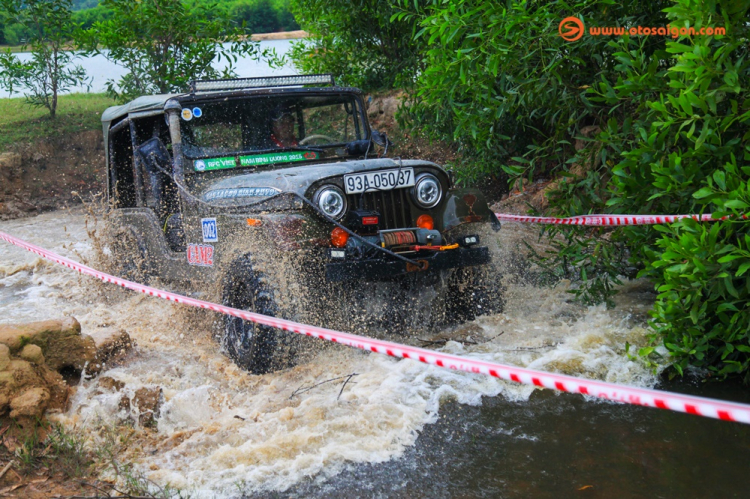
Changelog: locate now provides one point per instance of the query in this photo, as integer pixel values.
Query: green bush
(672, 128)
(258, 16)
(501, 82)
(360, 43)
(675, 142)
(86, 18)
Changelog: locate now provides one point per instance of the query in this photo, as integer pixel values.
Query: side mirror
(154, 155)
(381, 139)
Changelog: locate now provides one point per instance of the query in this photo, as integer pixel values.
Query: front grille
(393, 206)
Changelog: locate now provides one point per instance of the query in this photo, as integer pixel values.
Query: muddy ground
(51, 174)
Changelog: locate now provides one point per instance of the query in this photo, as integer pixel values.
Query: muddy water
(398, 428)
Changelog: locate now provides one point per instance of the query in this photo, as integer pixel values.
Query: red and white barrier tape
(728, 411)
(606, 220)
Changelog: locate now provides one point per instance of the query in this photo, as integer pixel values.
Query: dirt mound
(51, 174)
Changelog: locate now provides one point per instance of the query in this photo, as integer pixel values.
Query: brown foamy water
(224, 433)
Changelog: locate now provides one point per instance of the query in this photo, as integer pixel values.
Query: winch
(405, 237)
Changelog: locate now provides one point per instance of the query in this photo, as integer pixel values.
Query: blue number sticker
(197, 112)
(210, 232)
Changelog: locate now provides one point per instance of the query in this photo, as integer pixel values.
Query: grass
(70, 460)
(22, 123)
(61, 449)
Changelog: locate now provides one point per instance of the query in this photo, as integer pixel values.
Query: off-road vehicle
(271, 193)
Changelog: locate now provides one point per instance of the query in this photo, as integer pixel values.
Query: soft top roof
(147, 104)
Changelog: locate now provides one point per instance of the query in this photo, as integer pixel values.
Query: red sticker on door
(200, 254)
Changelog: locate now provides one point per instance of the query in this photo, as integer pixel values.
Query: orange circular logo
(571, 29)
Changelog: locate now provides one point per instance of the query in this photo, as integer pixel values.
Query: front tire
(256, 348)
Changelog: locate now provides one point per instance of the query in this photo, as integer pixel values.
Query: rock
(31, 403)
(110, 384)
(21, 376)
(61, 341)
(10, 160)
(148, 401)
(58, 389)
(4, 356)
(110, 343)
(124, 404)
(33, 354)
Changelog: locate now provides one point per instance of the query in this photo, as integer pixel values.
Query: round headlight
(331, 201)
(427, 190)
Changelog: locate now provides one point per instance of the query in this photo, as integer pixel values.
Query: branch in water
(303, 390)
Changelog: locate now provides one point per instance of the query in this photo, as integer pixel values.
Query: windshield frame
(192, 100)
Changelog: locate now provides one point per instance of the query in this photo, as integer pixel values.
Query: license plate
(383, 180)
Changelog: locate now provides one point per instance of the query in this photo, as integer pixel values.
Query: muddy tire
(472, 292)
(255, 348)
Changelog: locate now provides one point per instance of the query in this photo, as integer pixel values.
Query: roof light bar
(260, 82)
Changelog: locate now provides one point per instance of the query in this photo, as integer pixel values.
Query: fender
(467, 206)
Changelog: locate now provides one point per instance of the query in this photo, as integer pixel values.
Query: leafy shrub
(673, 127)
(258, 16)
(357, 42)
(500, 81)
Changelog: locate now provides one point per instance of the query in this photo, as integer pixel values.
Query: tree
(361, 43)
(163, 45)
(259, 16)
(49, 72)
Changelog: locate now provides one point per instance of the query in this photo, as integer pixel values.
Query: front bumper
(378, 269)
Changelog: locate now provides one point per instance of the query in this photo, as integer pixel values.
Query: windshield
(270, 125)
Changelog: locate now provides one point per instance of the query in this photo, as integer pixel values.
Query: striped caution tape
(728, 411)
(607, 220)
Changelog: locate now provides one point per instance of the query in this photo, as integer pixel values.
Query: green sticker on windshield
(202, 165)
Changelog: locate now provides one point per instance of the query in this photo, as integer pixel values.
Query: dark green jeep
(274, 195)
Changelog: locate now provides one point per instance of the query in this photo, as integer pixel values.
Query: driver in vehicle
(282, 130)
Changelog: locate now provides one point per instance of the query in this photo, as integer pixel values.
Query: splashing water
(223, 432)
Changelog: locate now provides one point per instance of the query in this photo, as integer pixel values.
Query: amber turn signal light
(339, 237)
(425, 222)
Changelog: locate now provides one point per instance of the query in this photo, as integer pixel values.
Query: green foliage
(677, 125)
(49, 72)
(698, 141)
(501, 82)
(628, 124)
(84, 4)
(163, 45)
(361, 43)
(86, 18)
(258, 16)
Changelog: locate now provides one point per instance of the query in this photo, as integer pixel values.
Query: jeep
(275, 195)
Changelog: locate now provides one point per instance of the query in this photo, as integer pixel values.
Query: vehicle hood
(252, 187)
